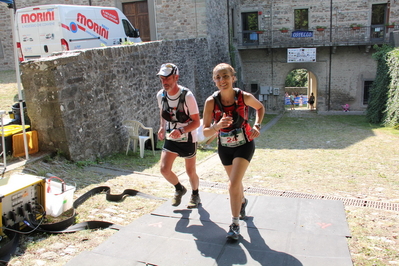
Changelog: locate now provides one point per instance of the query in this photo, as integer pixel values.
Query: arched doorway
(301, 83)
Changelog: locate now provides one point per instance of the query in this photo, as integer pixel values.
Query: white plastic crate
(58, 201)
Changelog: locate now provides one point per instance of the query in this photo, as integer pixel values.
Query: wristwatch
(258, 126)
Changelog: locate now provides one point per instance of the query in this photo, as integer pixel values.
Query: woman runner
(228, 108)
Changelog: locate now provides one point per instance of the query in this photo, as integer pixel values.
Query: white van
(42, 30)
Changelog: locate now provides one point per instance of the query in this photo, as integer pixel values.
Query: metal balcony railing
(339, 36)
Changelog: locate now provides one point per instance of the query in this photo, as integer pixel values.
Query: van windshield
(129, 31)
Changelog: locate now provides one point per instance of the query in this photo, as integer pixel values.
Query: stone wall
(78, 100)
(6, 47)
(181, 19)
(351, 66)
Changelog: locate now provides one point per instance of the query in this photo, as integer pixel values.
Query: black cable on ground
(67, 225)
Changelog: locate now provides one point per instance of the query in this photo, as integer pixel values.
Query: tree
(297, 78)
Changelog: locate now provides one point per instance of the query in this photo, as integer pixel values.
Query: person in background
(292, 100)
(311, 101)
(228, 109)
(179, 119)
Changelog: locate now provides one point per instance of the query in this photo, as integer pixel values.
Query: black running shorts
(227, 154)
(185, 150)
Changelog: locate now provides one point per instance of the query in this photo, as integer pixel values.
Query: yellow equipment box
(9, 131)
(20, 196)
(12, 129)
(18, 146)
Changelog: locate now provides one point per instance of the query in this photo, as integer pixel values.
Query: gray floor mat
(277, 231)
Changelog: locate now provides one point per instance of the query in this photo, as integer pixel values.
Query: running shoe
(234, 232)
(177, 197)
(194, 201)
(242, 211)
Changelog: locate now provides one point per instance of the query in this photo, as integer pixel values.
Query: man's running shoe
(234, 232)
(194, 201)
(178, 195)
(242, 211)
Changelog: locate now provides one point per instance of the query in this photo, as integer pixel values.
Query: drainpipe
(196, 19)
(329, 80)
(272, 37)
(271, 21)
(228, 29)
(330, 63)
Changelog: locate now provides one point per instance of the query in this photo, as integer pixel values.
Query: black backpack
(181, 115)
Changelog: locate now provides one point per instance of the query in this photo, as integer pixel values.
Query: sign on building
(302, 34)
(301, 55)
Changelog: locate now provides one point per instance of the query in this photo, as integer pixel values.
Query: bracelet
(181, 129)
(213, 127)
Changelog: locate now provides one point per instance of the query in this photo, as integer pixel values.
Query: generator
(22, 199)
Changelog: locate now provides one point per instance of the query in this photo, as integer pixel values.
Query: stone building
(319, 36)
(340, 68)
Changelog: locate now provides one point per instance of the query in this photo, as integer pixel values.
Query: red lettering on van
(92, 25)
(111, 15)
(65, 26)
(82, 28)
(37, 17)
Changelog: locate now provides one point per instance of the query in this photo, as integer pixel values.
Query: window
(254, 88)
(378, 18)
(301, 19)
(378, 14)
(366, 89)
(129, 31)
(249, 21)
(249, 24)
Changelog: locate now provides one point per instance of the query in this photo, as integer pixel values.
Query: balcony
(339, 36)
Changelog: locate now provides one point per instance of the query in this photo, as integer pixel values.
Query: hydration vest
(167, 111)
(239, 112)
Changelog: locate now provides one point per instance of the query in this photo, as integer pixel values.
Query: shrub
(378, 91)
(392, 107)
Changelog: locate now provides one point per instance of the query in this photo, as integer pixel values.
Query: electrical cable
(65, 226)
(29, 224)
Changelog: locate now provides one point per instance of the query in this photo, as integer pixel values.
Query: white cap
(168, 69)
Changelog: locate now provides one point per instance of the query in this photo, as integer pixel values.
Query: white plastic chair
(133, 128)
